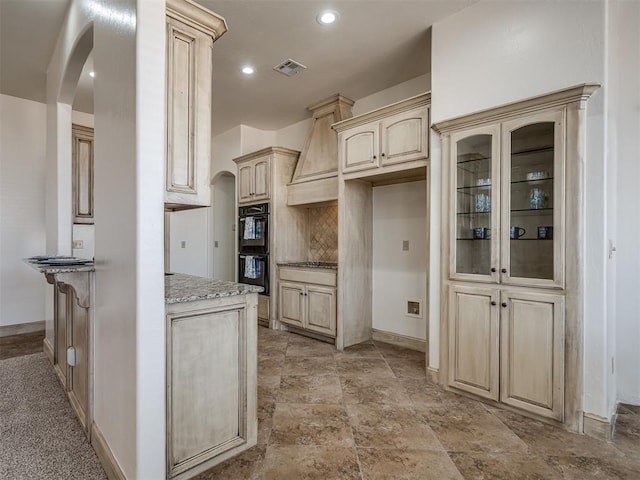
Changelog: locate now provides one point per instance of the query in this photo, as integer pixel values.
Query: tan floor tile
(407, 367)
(628, 409)
(471, 429)
(363, 366)
(247, 465)
(268, 388)
(550, 440)
(270, 366)
(314, 348)
(310, 389)
(309, 366)
(424, 393)
(627, 435)
(384, 426)
(405, 464)
(272, 350)
(310, 463)
(385, 390)
(390, 350)
(589, 468)
(503, 466)
(311, 424)
(265, 422)
(366, 350)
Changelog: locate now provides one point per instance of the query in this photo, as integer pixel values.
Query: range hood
(315, 179)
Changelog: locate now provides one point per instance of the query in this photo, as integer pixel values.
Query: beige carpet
(40, 438)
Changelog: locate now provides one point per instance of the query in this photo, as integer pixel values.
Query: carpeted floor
(40, 438)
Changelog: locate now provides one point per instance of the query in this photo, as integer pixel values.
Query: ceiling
(374, 44)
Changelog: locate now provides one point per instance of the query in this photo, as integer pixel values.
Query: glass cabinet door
(475, 181)
(532, 199)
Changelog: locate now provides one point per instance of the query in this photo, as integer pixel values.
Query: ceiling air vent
(289, 67)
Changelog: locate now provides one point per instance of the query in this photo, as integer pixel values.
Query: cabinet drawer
(318, 276)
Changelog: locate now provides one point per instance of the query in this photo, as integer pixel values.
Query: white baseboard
(599, 427)
(411, 343)
(21, 328)
(433, 374)
(105, 455)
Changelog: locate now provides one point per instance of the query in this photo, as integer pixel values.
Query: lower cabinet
(305, 304)
(211, 382)
(72, 351)
(263, 310)
(508, 346)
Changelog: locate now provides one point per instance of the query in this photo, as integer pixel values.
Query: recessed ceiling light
(247, 70)
(327, 17)
(92, 74)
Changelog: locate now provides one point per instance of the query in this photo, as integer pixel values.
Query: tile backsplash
(323, 234)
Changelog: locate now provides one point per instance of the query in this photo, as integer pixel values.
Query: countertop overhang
(325, 265)
(52, 269)
(182, 288)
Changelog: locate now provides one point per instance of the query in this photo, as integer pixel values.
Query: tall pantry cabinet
(512, 263)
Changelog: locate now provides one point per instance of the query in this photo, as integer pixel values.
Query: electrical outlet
(405, 245)
(215, 243)
(77, 244)
(183, 244)
(414, 308)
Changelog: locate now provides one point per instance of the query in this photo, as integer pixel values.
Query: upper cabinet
(254, 177)
(393, 140)
(191, 31)
(82, 157)
(508, 203)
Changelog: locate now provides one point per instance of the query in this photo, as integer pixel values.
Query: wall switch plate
(405, 245)
(183, 244)
(78, 244)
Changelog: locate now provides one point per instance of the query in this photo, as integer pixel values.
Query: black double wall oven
(253, 245)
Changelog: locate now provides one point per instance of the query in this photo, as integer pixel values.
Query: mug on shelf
(545, 233)
(538, 198)
(516, 232)
(483, 202)
(481, 233)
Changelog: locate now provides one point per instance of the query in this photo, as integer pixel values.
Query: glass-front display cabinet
(507, 204)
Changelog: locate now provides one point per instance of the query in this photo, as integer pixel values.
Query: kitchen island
(211, 372)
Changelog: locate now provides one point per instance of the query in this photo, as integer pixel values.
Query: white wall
(223, 227)
(129, 151)
(189, 250)
(623, 126)
(84, 233)
(399, 213)
(393, 94)
(22, 217)
(497, 52)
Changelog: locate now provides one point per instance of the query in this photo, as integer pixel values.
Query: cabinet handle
(71, 356)
(493, 303)
(504, 304)
(493, 269)
(504, 270)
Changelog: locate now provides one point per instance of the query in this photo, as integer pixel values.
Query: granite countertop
(327, 265)
(60, 264)
(181, 288)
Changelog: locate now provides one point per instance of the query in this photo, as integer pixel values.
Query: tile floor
(369, 413)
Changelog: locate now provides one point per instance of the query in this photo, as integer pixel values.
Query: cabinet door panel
(82, 174)
(474, 227)
(291, 303)
(321, 309)
(473, 340)
(532, 200)
(360, 148)
(60, 326)
(245, 182)
(532, 353)
(79, 374)
(261, 179)
(404, 137)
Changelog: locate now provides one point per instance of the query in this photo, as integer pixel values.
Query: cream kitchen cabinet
(512, 223)
(82, 170)
(390, 140)
(254, 180)
(191, 31)
(307, 299)
(508, 346)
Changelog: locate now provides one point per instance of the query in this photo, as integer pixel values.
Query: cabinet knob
(493, 269)
(493, 303)
(374, 157)
(301, 293)
(504, 270)
(504, 304)
(382, 155)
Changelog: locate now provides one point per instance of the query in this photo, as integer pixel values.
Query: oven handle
(257, 217)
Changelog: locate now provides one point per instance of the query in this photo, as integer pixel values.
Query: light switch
(215, 243)
(183, 244)
(78, 244)
(405, 245)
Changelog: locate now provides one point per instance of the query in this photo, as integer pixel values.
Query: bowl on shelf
(537, 175)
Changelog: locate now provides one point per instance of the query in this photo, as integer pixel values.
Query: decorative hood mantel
(315, 179)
